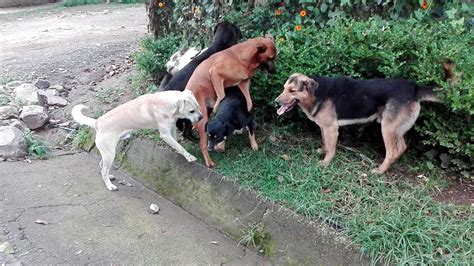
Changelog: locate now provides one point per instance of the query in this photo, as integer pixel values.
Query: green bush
(154, 54)
(377, 48)
(413, 48)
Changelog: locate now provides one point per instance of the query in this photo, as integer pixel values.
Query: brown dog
(234, 66)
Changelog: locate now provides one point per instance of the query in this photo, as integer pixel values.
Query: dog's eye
(192, 111)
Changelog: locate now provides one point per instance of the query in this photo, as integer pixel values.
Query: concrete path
(89, 224)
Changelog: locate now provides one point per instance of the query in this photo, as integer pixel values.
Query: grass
(392, 217)
(83, 138)
(80, 2)
(4, 99)
(110, 94)
(36, 147)
(255, 235)
(68, 3)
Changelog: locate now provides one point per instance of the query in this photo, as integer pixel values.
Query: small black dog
(232, 115)
(225, 35)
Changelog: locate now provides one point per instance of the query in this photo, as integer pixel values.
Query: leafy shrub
(154, 54)
(412, 48)
(378, 48)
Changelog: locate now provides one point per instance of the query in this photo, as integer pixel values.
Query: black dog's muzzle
(268, 67)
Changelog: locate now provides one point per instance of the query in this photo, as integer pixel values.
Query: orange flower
(161, 4)
(298, 27)
(424, 4)
(303, 13)
(278, 12)
(282, 39)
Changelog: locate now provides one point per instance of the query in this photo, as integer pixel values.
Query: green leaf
(324, 8)
(451, 13)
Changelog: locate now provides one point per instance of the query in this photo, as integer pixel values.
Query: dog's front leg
(167, 135)
(245, 88)
(218, 84)
(330, 134)
(203, 141)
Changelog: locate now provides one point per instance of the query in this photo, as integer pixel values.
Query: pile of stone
(25, 107)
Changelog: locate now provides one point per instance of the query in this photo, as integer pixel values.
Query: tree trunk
(159, 13)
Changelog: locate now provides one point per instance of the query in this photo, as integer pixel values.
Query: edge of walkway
(288, 237)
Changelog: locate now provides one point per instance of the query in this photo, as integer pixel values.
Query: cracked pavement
(89, 224)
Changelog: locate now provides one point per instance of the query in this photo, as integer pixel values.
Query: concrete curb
(221, 203)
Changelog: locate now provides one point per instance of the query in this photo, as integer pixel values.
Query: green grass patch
(80, 2)
(392, 217)
(36, 147)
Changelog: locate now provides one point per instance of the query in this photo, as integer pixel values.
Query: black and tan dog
(335, 102)
(231, 116)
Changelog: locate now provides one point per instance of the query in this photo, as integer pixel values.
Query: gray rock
(12, 143)
(445, 159)
(431, 154)
(13, 84)
(59, 88)
(42, 84)
(15, 123)
(52, 97)
(27, 94)
(3, 90)
(8, 111)
(34, 116)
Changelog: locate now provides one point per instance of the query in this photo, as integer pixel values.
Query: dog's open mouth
(287, 107)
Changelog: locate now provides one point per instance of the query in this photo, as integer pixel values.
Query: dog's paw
(249, 107)
(190, 158)
(112, 187)
(111, 177)
(377, 171)
(323, 163)
(254, 146)
(210, 164)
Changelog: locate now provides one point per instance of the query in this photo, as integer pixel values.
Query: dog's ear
(261, 48)
(311, 85)
(180, 106)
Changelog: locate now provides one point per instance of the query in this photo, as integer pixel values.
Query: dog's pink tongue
(282, 109)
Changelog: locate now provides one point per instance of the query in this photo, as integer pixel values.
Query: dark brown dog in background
(234, 66)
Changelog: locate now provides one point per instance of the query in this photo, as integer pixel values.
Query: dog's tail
(426, 93)
(81, 118)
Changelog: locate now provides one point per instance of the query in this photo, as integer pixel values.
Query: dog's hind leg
(253, 142)
(394, 127)
(106, 144)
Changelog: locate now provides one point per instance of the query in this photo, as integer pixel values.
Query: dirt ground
(74, 47)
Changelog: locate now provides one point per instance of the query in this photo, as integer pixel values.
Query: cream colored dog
(151, 111)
